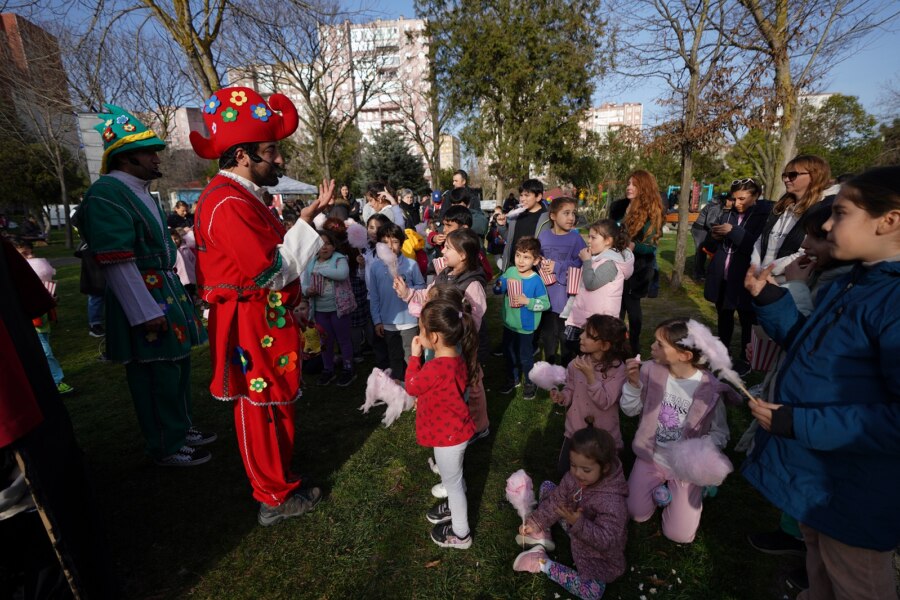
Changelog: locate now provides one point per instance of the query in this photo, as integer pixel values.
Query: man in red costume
(248, 270)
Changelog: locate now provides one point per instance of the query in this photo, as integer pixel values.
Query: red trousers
(266, 441)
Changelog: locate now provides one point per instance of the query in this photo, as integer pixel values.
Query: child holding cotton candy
(442, 418)
(678, 399)
(590, 502)
(594, 382)
(606, 264)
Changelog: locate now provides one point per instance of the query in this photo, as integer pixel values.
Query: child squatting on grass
(831, 429)
(589, 504)
(677, 399)
(442, 417)
(594, 382)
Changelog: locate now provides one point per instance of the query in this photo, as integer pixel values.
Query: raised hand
(756, 279)
(320, 204)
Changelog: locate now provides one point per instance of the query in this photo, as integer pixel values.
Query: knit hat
(122, 132)
(238, 115)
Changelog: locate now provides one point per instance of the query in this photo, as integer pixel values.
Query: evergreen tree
(388, 158)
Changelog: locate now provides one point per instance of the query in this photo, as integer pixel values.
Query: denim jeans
(55, 369)
(95, 310)
(518, 348)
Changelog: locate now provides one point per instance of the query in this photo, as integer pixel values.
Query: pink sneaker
(530, 561)
(541, 539)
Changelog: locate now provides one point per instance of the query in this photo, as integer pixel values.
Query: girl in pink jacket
(594, 381)
(606, 264)
(590, 504)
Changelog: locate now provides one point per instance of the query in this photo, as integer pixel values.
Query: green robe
(118, 227)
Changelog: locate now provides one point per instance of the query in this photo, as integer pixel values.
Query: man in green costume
(151, 323)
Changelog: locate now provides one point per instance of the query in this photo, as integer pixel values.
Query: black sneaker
(480, 435)
(346, 378)
(298, 504)
(195, 437)
(439, 513)
(443, 536)
(530, 391)
(327, 378)
(186, 456)
(97, 331)
(778, 543)
(798, 579)
(509, 387)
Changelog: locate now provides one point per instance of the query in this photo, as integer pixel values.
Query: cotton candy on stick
(546, 376)
(700, 337)
(520, 493)
(382, 389)
(356, 235)
(387, 256)
(515, 212)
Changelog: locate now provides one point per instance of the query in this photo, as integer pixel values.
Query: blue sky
(865, 74)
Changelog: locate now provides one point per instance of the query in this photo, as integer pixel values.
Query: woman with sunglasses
(806, 179)
(736, 232)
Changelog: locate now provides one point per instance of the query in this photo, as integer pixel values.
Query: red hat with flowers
(237, 115)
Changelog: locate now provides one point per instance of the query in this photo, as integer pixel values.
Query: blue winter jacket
(838, 471)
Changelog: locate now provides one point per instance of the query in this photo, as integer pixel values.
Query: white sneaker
(439, 491)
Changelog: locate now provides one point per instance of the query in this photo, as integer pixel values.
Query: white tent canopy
(288, 186)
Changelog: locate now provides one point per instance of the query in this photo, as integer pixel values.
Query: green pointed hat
(122, 132)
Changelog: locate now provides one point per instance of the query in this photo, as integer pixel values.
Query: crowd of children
(826, 447)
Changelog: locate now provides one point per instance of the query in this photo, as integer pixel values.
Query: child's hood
(612, 485)
(623, 257)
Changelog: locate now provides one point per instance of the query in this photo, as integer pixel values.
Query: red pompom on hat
(237, 115)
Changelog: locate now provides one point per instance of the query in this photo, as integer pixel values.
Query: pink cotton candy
(520, 493)
(356, 235)
(547, 376)
(387, 256)
(696, 460)
(381, 389)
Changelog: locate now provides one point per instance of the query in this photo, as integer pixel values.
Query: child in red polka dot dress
(442, 417)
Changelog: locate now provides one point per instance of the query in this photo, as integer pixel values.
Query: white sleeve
(718, 429)
(756, 255)
(631, 400)
(126, 283)
(300, 246)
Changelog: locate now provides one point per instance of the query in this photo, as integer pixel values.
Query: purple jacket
(600, 400)
(599, 535)
(699, 416)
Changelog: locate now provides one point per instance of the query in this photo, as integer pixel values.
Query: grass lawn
(193, 533)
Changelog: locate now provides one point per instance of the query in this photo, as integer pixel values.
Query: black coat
(729, 292)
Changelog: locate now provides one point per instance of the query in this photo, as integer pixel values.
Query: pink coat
(607, 299)
(600, 400)
(599, 535)
(699, 416)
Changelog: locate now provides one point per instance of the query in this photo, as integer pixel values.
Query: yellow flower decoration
(128, 127)
(266, 341)
(258, 384)
(274, 299)
(109, 122)
(170, 300)
(239, 98)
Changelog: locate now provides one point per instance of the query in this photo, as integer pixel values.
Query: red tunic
(253, 340)
(442, 417)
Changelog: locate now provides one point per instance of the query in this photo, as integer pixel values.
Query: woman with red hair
(641, 214)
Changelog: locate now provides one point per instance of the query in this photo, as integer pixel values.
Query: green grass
(193, 532)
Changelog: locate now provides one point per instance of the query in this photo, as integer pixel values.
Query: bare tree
(424, 110)
(41, 110)
(799, 41)
(310, 56)
(683, 43)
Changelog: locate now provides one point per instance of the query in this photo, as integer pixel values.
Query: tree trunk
(499, 191)
(322, 155)
(788, 124)
(684, 204)
(64, 196)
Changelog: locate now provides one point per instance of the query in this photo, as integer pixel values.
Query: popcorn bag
(548, 277)
(316, 284)
(51, 287)
(764, 350)
(574, 280)
(513, 289)
(440, 263)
